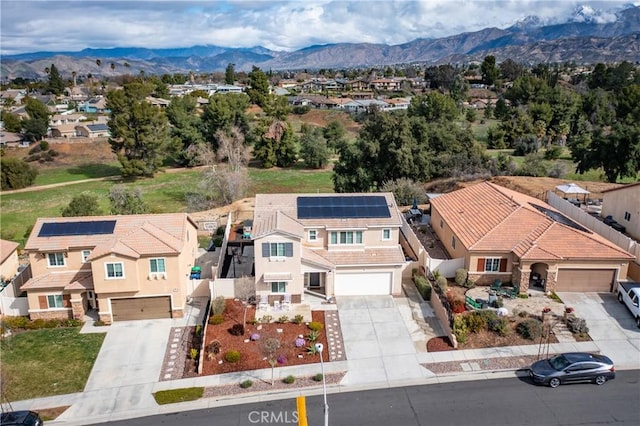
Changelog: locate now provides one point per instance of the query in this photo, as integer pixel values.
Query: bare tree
(270, 348)
(232, 149)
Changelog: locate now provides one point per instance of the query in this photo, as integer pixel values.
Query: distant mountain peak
(531, 21)
(587, 14)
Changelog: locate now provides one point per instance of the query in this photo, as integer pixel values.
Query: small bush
(52, 323)
(218, 306)
(498, 303)
(460, 328)
(423, 286)
(216, 319)
(198, 330)
(523, 296)
(193, 353)
(299, 342)
(246, 384)
(442, 282)
(220, 230)
(523, 314)
(553, 152)
(530, 329)
(36, 324)
(98, 323)
(266, 319)
(313, 335)
(44, 145)
(214, 347)
(217, 241)
(53, 153)
(36, 149)
(178, 395)
(577, 325)
(253, 321)
(311, 350)
(297, 319)
(555, 297)
(499, 325)
(476, 322)
(318, 377)
(237, 330)
(32, 158)
(315, 326)
(461, 276)
(289, 379)
(283, 319)
(13, 323)
(281, 359)
(232, 356)
(254, 337)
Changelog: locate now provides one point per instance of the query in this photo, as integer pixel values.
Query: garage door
(595, 280)
(362, 284)
(138, 308)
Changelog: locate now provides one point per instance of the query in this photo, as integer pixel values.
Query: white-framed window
(627, 216)
(441, 223)
(313, 235)
(346, 237)
(54, 301)
(85, 255)
(279, 287)
(55, 259)
(386, 234)
(277, 249)
(453, 242)
(492, 264)
(114, 270)
(157, 266)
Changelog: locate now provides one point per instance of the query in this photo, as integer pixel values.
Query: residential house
(93, 130)
(159, 102)
(64, 131)
(12, 140)
(623, 204)
(12, 96)
(9, 262)
(336, 244)
(503, 234)
(94, 105)
(127, 267)
(58, 119)
(12, 275)
(364, 105)
(386, 84)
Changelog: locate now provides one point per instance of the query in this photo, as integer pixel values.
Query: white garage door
(362, 284)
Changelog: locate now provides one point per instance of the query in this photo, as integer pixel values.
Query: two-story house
(623, 204)
(127, 267)
(335, 244)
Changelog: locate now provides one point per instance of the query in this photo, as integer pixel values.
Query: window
(85, 255)
(54, 301)
(453, 242)
(492, 265)
(441, 223)
(278, 287)
(277, 249)
(157, 265)
(114, 270)
(627, 216)
(313, 235)
(346, 237)
(55, 259)
(386, 234)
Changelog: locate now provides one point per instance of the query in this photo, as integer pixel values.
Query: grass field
(83, 171)
(47, 362)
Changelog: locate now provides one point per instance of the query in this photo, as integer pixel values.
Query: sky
(48, 25)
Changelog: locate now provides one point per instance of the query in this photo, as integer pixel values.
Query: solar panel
(58, 229)
(347, 207)
(560, 218)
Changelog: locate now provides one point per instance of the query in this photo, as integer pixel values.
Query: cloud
(28, 26)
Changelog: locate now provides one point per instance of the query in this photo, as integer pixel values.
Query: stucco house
(503, 234)
(127, 267)
(9, 262)
(623, 203)
(334, 244)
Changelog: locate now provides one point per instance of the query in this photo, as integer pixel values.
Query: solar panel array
(94, 227)
(560, 218)
(346, 207)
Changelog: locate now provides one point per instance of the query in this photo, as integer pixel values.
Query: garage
(139, 308)
(374, 283)
(585, 280)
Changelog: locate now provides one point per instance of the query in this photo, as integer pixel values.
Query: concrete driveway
(610, 323)
(377, 342)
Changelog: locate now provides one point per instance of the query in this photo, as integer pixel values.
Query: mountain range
(584, 38)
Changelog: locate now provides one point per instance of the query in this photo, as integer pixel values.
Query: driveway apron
(378, 345)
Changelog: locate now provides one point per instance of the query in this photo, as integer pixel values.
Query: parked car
(629, 294)
(573, 367)
(21, 418)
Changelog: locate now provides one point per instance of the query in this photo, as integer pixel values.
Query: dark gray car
(573, 367)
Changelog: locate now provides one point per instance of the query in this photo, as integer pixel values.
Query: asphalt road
(487, 402)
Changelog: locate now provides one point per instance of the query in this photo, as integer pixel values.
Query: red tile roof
(69, 280)
(6, 249)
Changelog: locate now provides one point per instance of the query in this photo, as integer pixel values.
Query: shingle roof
(6, 248)
(69, 280)
(488, 217)
(133, 235)
(374, 256)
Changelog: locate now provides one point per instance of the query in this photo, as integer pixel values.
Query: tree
(229, 74)
(405, 191)
(12, 122)
(126, 201)
(55, 84)
(433, 106)
(82, 205)
(37, 124)
(511, 70)
(186, 130)
(139, 131)
(334, 133)
(270, 347)
(489, 71)
(313, 149)
(16, 173)
(258, 90)
(224, 112)
(276, 144)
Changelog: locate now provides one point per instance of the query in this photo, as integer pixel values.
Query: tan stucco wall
(72, 262)
(282, 265)
(9, 268)
(522, 274)
(445, 234)
(625, 200)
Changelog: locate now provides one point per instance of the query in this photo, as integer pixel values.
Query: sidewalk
(368, 325)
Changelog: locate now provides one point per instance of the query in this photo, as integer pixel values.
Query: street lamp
(319, 348)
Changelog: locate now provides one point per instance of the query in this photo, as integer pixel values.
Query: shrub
(530, 329)
(311, 350)
(216, 319)
(442, 282)
(98, 323)
(499, 325)
(178, 395)
(313, 335)
(213, 347)
(289, 379)
(253, 321)
(13, 323)
(461, 276)
(460, 328)
(498, 303)
(423, 286)
(299, 342)
(220, 230)
(315, 326)
(193, 353)
(255, 336)
(281, 359)
(218, 306)
(16, 173)
(456, 302)
(297, 319)
(476, 322)
(35, 324)
(232, 356)
(318, 377)
(283, 319)
(53, 153)
(32, 158)
(577, 325)
(198, 330)
(52, 323)
(246, 384)
(555, 297)
(553, 152)
(266, 319)
(237, 330)
(44, 145)
(217, 241)
(36, 149)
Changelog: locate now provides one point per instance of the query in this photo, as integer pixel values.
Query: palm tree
(73, 75)
(98, 62)
(113, 67)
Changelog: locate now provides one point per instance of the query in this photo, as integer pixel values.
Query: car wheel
(638, 322)
(619, 297)
(554, 383)
(600, 380)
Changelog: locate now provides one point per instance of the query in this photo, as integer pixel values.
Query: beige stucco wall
(9, 268)
(625, 200)
(446, 235)
(72, 262)
(522, 273)
(278, 265)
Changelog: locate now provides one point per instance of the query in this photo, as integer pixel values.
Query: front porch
(277, 310)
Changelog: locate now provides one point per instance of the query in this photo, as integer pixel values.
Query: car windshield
(559, 362)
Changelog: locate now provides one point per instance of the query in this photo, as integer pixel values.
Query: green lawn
(47, 362)
(164, 193)
(84, 171)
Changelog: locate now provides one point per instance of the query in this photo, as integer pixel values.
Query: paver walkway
(334, 336)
